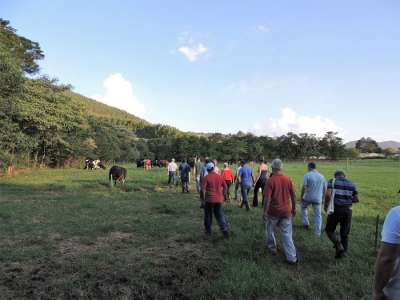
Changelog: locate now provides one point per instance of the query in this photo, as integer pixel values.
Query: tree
(368, 145)
(332, 146)
(25, 51)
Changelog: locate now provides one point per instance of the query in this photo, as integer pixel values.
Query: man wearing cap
(387, 268)
(344, 193)
(313, 193)
(279, 208)
(246, 181)
(214, 188)
(172, 169)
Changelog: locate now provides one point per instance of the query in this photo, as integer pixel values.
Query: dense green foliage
(64, 234)
(368, 145)
(44, 122)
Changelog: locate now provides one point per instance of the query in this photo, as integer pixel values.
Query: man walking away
(313, 193)
(203, 174)
(227, 175)
(172, 169)
(197, 169)
(237, 183)
(279, 208)
(262, 177)
(344, 193)
(184, 170)
(387, 268)
(214, 189)
(246, 181)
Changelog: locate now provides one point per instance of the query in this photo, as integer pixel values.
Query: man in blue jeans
(313, 193)
(246, 180)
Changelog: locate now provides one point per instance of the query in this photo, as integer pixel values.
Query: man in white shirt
(387, 269)
(172, 169)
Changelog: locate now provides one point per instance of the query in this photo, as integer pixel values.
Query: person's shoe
(247, 207)
(293, 263)
(339, 250)
(225, 234)
(306, 226)
(273, 252)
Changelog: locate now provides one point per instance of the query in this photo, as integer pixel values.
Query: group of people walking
(279, 201)
(336, 196)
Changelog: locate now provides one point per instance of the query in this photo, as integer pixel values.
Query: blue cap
(209, 166)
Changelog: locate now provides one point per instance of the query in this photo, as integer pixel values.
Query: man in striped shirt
(345, 194)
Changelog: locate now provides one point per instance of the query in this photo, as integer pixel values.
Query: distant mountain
(383, 145)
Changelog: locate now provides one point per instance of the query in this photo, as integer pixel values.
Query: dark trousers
(342, 216)
(172, 177)
(185, 185)
(228, 190)
(259, 184)
(237, 185)
(217, 209)
(245, 190)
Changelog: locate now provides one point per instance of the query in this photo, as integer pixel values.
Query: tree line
(44, 123)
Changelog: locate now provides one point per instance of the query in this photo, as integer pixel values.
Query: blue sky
(222, 66)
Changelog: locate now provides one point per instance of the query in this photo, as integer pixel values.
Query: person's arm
(204, 188)
(384, 267)
(224, 187)
(293, 199)
(303, 190)
(267, 197)
(327, 198)
(252, 178)
(324, 192)
(258, 175)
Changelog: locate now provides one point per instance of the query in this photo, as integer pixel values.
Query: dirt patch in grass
(76, 246)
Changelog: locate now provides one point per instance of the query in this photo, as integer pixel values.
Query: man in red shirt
(279, 208)
(227, 175)
(214, 188)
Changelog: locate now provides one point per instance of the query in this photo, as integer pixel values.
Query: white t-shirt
(172, 167)
(391, 235)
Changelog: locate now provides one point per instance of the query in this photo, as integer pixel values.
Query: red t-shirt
(227, 174)
(278, 190)
(214, 186)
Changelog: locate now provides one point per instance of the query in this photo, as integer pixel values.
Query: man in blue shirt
(313, 193)
(387, 268)
(246, 181)
(344, 193)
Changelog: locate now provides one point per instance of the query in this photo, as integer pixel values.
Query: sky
(266, 67)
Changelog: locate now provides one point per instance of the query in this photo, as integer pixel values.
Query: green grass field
(65, 234)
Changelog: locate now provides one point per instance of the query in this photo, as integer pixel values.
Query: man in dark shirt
(184, 170)
(343, 193)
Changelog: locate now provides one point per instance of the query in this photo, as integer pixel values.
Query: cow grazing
(162, 163)
(117, 174)
(92, 164)
(140, 163)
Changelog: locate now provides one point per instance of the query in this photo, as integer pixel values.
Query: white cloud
(193, 52)
(290, 121)
(118, 92)
(263, 28)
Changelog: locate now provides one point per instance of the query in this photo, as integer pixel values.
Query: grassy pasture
(65, 234)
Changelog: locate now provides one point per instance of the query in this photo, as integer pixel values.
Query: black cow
(140, 163)
(117, 174)
(91, 164)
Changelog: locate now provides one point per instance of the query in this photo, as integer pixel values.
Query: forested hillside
(43, 122)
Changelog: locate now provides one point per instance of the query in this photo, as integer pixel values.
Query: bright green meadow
(65, 234)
